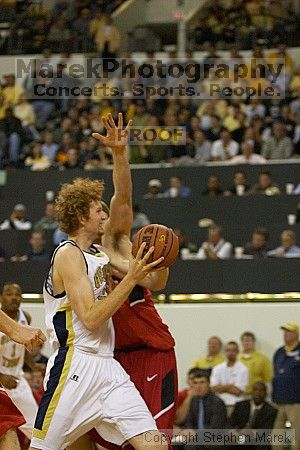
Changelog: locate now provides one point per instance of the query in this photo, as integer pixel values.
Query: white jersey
(12, 354)
(63, 326)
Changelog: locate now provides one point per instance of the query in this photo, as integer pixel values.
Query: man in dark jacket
(255, 413)
(207, 411)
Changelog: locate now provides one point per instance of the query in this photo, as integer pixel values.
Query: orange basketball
(162, 238)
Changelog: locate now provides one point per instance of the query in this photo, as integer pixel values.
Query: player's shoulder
(67, 253)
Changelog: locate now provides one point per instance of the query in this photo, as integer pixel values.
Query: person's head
(214, 121)
(288, 238)
(154, 186)
(215, 234)
(48, 137)
(11, 298)
(194, 122)
(247, 148)
(214, 346)
(290, 333)
(20, 211)
(225, 136)
(72, 156)
(278, 129)
(10, 79)
(231, 351)
(259, 392)
(240, 178)
(199, 136)
(265, 180)
(78, 207)
(175, 182)
(200, 384)
(192, 373)
(37, 241)
(248, 341)
(259, 238)
(36, 151)
(213, 183)
(37, 377)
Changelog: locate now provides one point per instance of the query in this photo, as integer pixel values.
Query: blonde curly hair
(74, 201)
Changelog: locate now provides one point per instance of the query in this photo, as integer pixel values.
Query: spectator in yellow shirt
(12, 91)
(213, 357)
(259, 366)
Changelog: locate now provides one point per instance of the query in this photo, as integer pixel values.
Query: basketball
(163, 239)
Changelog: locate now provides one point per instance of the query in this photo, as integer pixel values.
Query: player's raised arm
(120, 219)
(22, 334)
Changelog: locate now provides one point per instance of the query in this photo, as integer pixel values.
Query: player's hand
(138, 267)
(116, 137)
(8, 381)
(28, 336)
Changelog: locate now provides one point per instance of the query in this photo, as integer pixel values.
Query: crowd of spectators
(76, 26)
(39, 133)
(227, 22)
(234, 390)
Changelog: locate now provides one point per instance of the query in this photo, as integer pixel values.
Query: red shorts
(154, 374)
(10, 416)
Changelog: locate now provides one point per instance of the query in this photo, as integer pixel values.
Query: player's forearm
(103, 310)
(7, 325)
(122, 177)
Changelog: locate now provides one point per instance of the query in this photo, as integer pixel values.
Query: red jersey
(137, 323)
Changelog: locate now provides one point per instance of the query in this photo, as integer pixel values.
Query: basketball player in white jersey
(85, 386)
(10, 417)
(12, 357)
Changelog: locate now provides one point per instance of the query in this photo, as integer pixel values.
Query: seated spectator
(139, 219)
(49, 147)
(259, 366)
(265, 185)
(184, 242)
(36, 161)
(214, 355)
(248, 157)
(206, 411)
(257, 247)
(288, 247)
(154, 189)
(73, 161)
(225, 148)
(213, 186)
(214, 132)
(230, 378)
(240, 184)
(255, 413)
(37, 250)
(48, 222)
(202, 147)
(185, 396)
(17, 220)
(36, 381)
(278, 146)
(215, 247)
(177, 188)
(13, 133)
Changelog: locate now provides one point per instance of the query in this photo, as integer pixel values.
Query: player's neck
(83, 241)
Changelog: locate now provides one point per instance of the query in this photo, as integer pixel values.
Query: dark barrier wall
(234, 276)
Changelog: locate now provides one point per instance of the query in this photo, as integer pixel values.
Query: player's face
(104, 218)
(11, 298)
(94, 221)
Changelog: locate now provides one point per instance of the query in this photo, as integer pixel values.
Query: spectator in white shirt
(230, 378)
(225, 148)
(248, 157)
(17, 220)
(215, 247)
